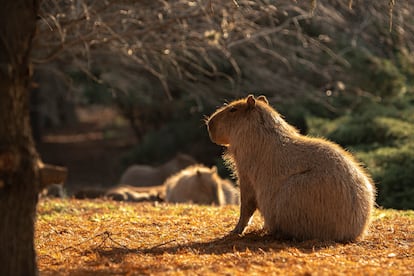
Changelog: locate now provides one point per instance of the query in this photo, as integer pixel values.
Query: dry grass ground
(75, 237)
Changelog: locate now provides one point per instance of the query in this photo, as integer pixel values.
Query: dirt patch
(80, 237)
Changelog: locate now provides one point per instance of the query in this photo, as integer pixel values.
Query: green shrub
(353, 131)
(382, 137)
(393, 172)
(184, 131)
(163, 143)
(92, 91)
(377, 75)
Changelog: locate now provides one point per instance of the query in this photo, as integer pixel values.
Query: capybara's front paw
(238, 230)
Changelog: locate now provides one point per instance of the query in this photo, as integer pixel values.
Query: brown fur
(305, 188)
(135, 194)
(200, 185)
(123, 193)
(231, 193)
(143, 175)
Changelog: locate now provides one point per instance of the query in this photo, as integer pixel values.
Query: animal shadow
(255, 241)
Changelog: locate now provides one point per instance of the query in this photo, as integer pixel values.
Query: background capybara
(199, 185)
(135, 194)
(231, 193)
(123, 193)
(144, 175)
(305, 188)
(196, 184)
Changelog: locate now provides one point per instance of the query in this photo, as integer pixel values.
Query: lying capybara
(135, 194)
(144, 175)
(199, 185)
(123, 193)
(231, 193)
(305, 188)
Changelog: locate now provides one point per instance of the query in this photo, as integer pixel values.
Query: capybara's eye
(233, 109)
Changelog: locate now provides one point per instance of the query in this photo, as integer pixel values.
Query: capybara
(199, 185)
(304, 187)
(231, 193)
(123, 193)
(144, 175)
(135, 194)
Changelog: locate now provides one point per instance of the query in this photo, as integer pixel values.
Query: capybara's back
(144, 175)
(328, 199)
(196, 184)
(305, 188)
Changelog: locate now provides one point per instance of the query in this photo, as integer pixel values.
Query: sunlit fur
(305, 188)
(200, 185)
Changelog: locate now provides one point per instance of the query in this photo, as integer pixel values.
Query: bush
(382, 137)
(357, 131)
(379, 76)
(184, 132)
(393, 172)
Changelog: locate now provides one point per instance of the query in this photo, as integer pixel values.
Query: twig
(106, 235)
(162, 244)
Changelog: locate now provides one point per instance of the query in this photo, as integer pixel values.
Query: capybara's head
(229, 120)
(179, 162)
(209, 190)
(184, 160)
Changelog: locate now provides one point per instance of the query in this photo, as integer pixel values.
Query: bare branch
(195, 40)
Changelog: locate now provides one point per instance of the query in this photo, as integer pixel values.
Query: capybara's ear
(251, 102)
(214, 169)
(198, 173)
(263, 99)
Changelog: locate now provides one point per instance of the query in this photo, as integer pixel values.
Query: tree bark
(18, 157)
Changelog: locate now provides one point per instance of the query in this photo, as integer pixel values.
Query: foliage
(92, 92)
(283, 49)
(182, 131)
(382, 136)
(377, 75)
(108, 237)
(373, 114)
(393, 170)
(364, 130)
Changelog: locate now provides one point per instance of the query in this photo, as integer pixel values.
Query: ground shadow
(256, 241)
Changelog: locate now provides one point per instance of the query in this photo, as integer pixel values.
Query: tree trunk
(18, 157)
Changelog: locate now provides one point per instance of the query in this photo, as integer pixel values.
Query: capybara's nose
(210, 125)
(210, 128)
